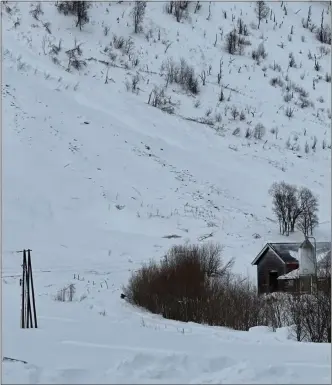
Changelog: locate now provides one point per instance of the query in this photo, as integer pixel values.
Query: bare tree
(197, 7)
(259, 131)
(209, 16)
(234, 112)
(260, 52)
(65, 7)
(279, 208)
(77, 8)
(138, 15)
(294, 208)
(203, 77)
(159, 99)
(220, 71)
(307, 315)
(262, 11)
(285, 205)
(307, 22)
(289, 112)
(295, 309)
(306, 148)
(133, 85)
(82, 13)
(74, 57)
(181, 73)
(71, 292)
(61, 295)
(324, 32)
(221, 96)
(232, 42)
(170, 7)
(242, 28)
(307, 219)
(314, 144)
(37, 11)
(178, 10)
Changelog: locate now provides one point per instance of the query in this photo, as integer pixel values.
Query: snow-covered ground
(76, 344)
(94, 179)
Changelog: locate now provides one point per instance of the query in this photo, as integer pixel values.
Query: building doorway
(273, 281)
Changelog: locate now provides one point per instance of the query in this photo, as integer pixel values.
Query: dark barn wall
(289, 285)
(291, 266)
(269, 261)
(324, 284)
(303, 285)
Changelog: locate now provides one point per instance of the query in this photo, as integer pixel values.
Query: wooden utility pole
(32, 289)
(28, 294)
(23, 291)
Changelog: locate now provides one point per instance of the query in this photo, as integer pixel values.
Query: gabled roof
(306, 244)
(284, 250)
(262, 252)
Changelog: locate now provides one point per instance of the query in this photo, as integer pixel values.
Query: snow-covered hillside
(96, 180)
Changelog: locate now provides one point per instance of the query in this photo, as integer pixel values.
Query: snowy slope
(94, 179)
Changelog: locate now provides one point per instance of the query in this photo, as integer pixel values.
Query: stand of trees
(138, 13)
(76, 8)
(262, 11)
(294, 207)
(177, 8)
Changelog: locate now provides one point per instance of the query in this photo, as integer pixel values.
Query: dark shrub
(192, 283)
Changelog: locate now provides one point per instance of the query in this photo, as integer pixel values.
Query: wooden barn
(289, 267)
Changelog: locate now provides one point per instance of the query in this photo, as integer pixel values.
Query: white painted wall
(307, 261)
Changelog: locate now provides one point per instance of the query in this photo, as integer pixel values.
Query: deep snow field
(95, 179)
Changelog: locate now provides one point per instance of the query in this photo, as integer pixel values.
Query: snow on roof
(321, 259)
(323, 256)
(291, 275)
(294, 254)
